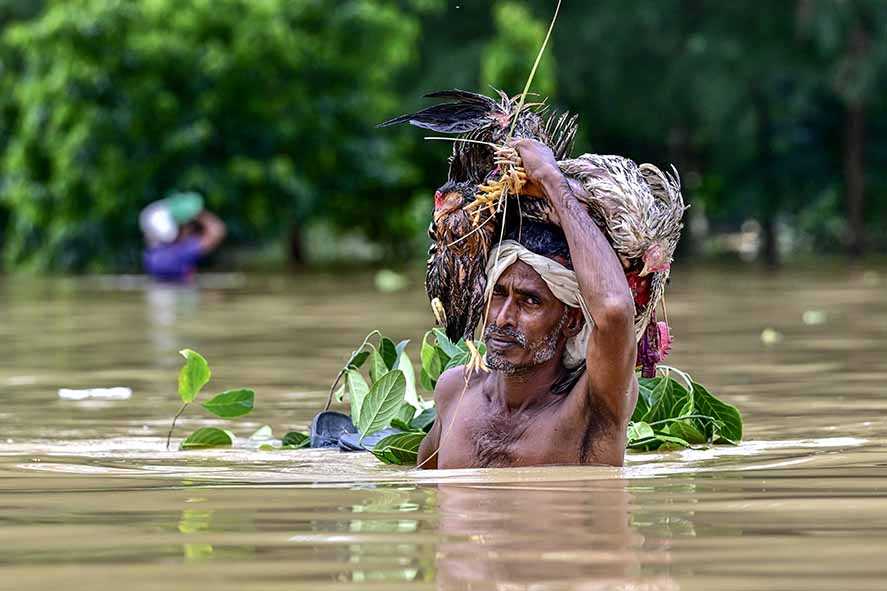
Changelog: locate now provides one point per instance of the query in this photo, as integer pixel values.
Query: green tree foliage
(508, 57)
(265, 107)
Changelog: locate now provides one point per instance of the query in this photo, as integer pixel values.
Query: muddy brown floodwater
(90, 499)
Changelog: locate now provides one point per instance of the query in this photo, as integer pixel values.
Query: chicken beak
(646, 270)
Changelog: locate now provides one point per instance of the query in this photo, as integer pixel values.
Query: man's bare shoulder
(449, 386)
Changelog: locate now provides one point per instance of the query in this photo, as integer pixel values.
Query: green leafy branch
(386, 394)
(193, 376)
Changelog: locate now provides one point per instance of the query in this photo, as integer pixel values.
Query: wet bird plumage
(637, 206)
(456, 272)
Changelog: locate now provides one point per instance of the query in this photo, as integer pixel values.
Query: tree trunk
(770, 196)
(296, 253)
(679, 151)
(854, 173)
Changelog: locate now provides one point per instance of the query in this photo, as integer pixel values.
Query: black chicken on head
(456, 273)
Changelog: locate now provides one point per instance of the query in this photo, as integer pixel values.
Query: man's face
(526, 322)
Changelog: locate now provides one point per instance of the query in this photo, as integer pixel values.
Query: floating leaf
(266, 447)
(401, 448)
(381, 403)
(358, 359)
(296, 440)
(193, 376)
(262, 433)
(425, 420)
(231, 403)
(208, 437)
(727, 415)
(357, 391)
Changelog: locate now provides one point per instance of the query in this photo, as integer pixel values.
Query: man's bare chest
(484, 436)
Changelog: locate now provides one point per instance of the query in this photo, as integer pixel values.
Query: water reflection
(90, 491)
(576, 536)
(164, 306)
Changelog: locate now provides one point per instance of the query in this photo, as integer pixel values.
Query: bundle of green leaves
(669, 415)
(386, 394)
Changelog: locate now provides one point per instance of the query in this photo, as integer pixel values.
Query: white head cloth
(560, 280)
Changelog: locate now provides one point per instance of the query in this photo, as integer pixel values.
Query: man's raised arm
(611, 349)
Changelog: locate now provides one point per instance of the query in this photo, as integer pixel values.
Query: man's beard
(542, 351)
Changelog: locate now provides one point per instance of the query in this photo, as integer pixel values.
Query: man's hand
(538, 159)
(541, 167)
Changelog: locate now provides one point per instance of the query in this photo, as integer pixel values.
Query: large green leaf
(401, 448)
(381, 403)
(729, 419)
(388, 352)
(357, 391)
(670, 400)
(411, 395)
(208, 437)
(377, 366)
(231, 403)
(646, 387)
(295, 440)
(642, 407)
(193, 376)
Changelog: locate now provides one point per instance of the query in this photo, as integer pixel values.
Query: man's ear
(575, 322)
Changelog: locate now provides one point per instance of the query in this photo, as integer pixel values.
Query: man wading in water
(536, 406)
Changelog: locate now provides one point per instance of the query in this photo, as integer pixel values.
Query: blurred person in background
(179, 232)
